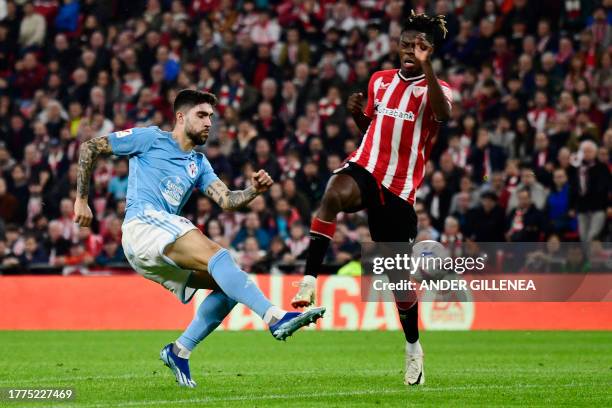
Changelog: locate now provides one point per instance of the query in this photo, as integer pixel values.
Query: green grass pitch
(314, 369)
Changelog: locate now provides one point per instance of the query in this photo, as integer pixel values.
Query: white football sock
(273, 315)
(414, 348)
(180, 350)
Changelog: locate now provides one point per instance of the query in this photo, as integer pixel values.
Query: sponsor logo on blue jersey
(172, 190)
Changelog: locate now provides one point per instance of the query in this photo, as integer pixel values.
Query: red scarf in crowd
(225, 98)
(327, 107)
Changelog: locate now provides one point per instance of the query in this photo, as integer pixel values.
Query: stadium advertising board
(126, 302)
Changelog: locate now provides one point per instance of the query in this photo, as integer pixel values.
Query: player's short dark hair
(434, 27)
(188, 98)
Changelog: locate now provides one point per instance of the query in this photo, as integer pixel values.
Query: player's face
(198, 122)
(410, 66)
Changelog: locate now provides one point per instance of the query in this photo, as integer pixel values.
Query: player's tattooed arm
(88, 153)
(230, 200)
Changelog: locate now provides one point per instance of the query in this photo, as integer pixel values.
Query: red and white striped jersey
(398, 141)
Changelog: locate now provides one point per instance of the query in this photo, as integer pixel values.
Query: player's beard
(198, 138)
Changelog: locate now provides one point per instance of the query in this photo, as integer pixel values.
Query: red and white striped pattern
(397, 144)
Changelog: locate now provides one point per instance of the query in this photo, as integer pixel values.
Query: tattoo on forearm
(88, 153)
(230, 200)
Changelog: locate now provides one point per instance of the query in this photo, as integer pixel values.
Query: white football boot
(415, 372)
(306, 292)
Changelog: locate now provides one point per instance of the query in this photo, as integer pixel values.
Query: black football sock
(321, 233)
(409, 318)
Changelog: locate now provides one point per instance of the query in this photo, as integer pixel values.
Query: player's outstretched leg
(237, 284)
(196, 252)
(342, 193)
(211, 312)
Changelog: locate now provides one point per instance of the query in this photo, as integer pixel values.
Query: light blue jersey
(162, 176)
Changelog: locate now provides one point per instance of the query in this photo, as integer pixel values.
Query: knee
(331, 203)
(202, 256)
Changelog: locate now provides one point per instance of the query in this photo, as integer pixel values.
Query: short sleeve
(132, 141)
(207, 175)
(369, 110)
(448, 93)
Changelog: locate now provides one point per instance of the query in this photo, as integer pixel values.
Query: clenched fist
(82, 213)
(261, 181)
(355, 103)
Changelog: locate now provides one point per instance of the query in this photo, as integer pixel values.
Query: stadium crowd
(525, 156)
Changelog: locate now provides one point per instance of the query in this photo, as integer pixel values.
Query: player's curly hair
(433, 26)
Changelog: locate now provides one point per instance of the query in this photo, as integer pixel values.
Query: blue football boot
(178, 365)
(292, 321)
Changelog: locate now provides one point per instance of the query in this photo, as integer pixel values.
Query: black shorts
(390, 218)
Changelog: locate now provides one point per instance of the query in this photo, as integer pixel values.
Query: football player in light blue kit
(169, 249)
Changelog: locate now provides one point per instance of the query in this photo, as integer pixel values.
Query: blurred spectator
(486, 222)
(297, 199)
(591, 193)
(204, 213)
(438, 201)
(118, 185)
(32, 253)
(266, 30)
(537, 192)
(112, 253)
(298, 240)
(214, 231)
(576, 261)
(485, 157)
(451, 237)
(250, 254)
(251, 228)
(55, 244)
(277, 253)
(294, 50)
(92, 242)
(424, 225)
(558, 205)
(217, 160)
(68, 16)
(8, 203)
(70, 230)
(77, 256)
(32, 29)
(30, 76)
(7, 258)
(525, 222)
(265, 159)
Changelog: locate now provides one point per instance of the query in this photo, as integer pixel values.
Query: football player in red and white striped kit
(405, 107)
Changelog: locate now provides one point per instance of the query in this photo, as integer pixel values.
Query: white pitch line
(424, 388)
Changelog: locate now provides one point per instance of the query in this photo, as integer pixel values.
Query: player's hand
(262, 181)
(355, 103)
(82, 212)
(422, 49)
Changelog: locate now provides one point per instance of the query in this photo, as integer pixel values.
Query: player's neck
(185, 144)
(406, 76)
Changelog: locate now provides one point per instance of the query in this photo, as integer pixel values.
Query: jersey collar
(410, 79)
